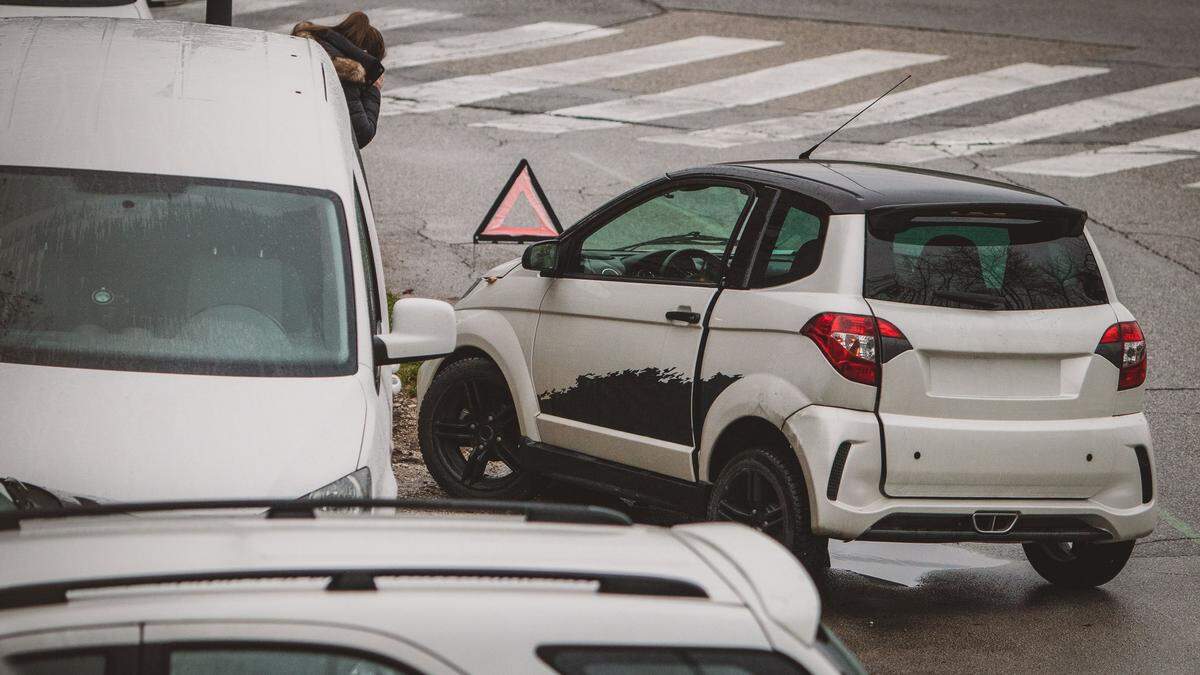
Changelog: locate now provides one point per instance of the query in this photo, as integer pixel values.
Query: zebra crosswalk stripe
(746, 89)
(896, 107)
(1148, 152)
(384, 18)
(195, 11)
(1093, 113)
(492, 43)
(449, 93)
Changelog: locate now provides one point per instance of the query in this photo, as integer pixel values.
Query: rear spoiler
(893, 219)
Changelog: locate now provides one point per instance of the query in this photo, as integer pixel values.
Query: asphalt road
(433, 176)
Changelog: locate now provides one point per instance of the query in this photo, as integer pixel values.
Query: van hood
(125, 436)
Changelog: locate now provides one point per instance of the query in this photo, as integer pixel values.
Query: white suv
(566, 589)
(817, 349)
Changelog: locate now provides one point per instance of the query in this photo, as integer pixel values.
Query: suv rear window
(981, 260)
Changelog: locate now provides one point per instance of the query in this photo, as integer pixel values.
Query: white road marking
(446, 94)
(746, 89)
(195, 11)
(1151, 151)
(383, 18)
(1093, 113)
(491, 43)
(1192, 185)
(896, 107)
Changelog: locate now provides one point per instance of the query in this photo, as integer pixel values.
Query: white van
(191, 298)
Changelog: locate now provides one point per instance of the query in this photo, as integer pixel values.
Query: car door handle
(684, 316)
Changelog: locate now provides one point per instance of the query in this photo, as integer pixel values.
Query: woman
(357, 50)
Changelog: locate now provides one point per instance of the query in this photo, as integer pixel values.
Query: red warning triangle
(503, 221)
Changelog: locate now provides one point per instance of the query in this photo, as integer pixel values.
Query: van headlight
(352, 486)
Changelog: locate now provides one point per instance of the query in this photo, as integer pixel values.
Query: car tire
(1079, 564)
(468, 431)
(762, 489)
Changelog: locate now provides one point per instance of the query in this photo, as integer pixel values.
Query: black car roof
(858, 187)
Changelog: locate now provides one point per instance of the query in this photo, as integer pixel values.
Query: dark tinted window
(368, 258)
(982, 262)
(666, 661)
(256, 661)
(124, 271)
(791, 244)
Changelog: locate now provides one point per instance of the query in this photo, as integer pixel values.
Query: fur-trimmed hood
(351, 63)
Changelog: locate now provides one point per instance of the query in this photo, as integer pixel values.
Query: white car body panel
(177, 436)
(758, 596)
(125, 96)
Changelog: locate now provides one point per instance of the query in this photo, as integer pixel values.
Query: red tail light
(1125, 347)
(855, 344)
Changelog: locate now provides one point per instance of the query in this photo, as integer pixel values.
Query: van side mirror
(541, 257)
(421, 329)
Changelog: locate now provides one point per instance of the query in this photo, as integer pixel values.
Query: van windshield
(121, 271)
(986, 262)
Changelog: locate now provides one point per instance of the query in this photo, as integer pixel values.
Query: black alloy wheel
(759, 488)
(469, 433)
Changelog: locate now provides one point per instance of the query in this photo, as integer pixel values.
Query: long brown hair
(356, 28)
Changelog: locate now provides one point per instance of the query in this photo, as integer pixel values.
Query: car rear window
(985, 260)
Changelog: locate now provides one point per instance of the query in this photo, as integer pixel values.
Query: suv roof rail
(534, 512)
(350, 579)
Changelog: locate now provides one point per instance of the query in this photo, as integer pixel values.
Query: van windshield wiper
(977, 299)
(693, 237)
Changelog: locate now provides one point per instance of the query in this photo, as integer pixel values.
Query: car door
(620, 328)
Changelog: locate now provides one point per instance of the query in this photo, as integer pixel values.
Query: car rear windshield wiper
(687, 238)
(977, 299)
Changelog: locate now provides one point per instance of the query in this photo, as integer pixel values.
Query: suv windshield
(982, 261)
(122, 271)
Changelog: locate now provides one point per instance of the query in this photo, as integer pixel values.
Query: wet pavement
(1006, 619)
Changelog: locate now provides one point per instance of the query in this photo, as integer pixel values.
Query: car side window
(237, 659)
(791, 244)
(368, 261)
(680, 235)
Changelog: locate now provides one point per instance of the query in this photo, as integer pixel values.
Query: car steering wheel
(707, 262)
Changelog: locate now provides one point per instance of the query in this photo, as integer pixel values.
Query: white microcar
(191, 295)
(816, 349)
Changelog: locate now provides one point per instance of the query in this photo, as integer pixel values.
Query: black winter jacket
(357, 71)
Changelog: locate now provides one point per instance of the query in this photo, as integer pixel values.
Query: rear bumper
(842, 457)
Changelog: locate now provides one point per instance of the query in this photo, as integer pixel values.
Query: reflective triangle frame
(481, 234)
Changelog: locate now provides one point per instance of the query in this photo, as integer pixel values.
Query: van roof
(857, 187)
(170, 97)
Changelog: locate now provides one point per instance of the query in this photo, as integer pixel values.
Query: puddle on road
(904, 564)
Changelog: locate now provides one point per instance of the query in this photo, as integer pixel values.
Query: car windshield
(122, 271)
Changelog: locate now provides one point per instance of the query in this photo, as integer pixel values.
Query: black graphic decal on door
(647, 402)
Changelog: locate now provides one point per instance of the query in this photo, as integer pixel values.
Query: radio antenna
(808, 152)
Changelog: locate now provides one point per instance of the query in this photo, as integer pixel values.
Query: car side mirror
(541, 257)
(421, 329)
